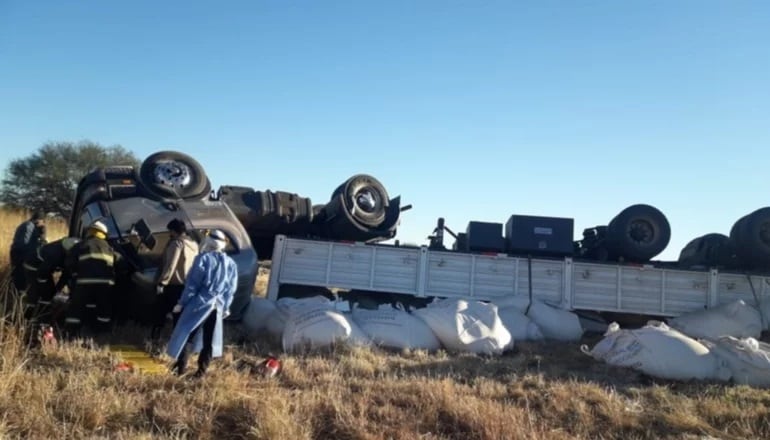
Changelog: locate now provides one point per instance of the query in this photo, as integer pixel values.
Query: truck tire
(750, 236)
(707, 251)
(174, 175)
(638, 233)
(365, 198)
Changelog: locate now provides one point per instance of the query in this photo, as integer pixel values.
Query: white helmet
(216, 234)
(214, 241)
(98, 226)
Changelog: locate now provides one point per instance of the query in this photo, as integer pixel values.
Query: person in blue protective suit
(205, 302)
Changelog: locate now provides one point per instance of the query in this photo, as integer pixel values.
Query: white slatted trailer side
(562, 282)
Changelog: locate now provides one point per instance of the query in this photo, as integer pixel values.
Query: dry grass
(541, 391)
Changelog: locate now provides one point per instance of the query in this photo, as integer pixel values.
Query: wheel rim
(367, 200)
(172, 174)
(641, 231)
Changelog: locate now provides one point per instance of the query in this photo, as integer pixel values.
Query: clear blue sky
(471, 110)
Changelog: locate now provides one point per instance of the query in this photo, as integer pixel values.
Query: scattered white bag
(554, 323)
(736, 319)
(747, 359)
(519, 325)
(658, 351)
(319, 325)
(466, 326)
(256, 315)
(276, 322)
(394, 328)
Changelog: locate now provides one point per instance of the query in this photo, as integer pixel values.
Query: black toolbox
(547, 236)
(484, 237)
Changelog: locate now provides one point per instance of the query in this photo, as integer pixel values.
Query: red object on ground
(48, 336)
(124, 366)
(271, 367)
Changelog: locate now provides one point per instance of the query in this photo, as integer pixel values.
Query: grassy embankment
(540, 391)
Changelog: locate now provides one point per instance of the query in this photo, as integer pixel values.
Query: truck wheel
(638, 233)
(710, 250)
(170, 174)
(365, 198)
(751, 237)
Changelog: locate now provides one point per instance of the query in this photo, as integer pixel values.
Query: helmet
(214, 241)
(98, 226)
(216, 234)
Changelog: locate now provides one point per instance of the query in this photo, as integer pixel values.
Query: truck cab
(137, 204)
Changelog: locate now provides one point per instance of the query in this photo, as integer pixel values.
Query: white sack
(466, 326)
(276, 322)
(736, 319)
(255, 317)
(395, 328)
(554, 323)
(319, 325)
(658, 351)
(747, 359)
(519, 325)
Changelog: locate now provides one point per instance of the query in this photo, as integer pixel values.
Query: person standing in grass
(205, 302)
(176, 262)
(28, 237)
(40, 268)
(94, 263)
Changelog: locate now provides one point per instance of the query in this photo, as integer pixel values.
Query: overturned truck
(137, 203)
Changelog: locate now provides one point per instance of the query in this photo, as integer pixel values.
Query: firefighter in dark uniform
(94, 280)
(26, 239)
(40, 268)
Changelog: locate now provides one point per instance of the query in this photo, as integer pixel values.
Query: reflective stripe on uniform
(42, 280)
(110, 259)
(72, 320)
(90, 306)
(100, 319)
(29, 267)
(45, 303)
(94, 281)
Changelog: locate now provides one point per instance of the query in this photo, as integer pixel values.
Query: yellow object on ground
(134, 358)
